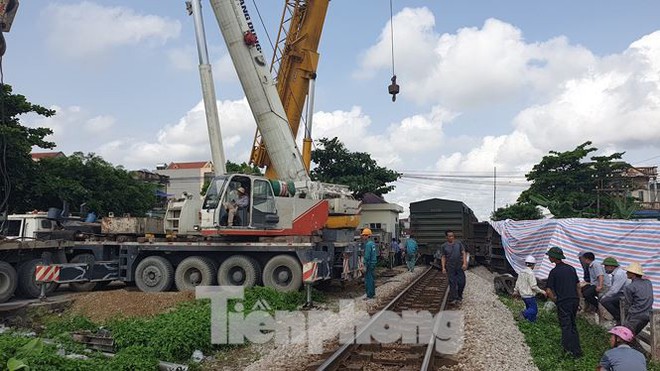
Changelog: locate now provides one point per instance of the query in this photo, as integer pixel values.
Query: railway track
(428, 292)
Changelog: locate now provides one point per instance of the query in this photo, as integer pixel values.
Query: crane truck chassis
(134, 250)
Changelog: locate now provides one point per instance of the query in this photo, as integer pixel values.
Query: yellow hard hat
(366, 232)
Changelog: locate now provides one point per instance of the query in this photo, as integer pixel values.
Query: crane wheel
(83, 286)
(154, 274)
(283, 273)
(238, 270)
(8, 281)
(192, 272)
(27, 284)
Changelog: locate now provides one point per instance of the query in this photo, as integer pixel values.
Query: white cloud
(397, 145)
(187, 140)
(72, 126)
(472, 67)
(86, 28)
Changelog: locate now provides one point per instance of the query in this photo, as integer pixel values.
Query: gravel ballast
(492, 339)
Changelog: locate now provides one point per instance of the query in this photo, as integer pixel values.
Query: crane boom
(296, 57)
(259, 89)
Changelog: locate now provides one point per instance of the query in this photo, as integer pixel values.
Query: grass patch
(141, 342)
(544, 341)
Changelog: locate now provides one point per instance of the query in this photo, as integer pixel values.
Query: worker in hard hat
(370, 259)
(639, 296)
(611, 298)
(622, 357)
(527, 288)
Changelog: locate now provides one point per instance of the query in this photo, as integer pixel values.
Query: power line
(648, 159)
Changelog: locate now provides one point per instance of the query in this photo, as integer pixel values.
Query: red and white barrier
(310, 272)
(47, 273)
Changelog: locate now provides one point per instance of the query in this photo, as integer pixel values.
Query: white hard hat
(530, 259)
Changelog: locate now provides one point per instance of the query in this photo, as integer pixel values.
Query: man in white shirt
(527, 288)
(610, 300)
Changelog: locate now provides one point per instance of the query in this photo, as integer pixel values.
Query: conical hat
(635, 268)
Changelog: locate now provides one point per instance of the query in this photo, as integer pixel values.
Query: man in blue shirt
(454, 263)
(411, 253)
(370, 259)
(622, 357)
(396, 253)
(562, 288)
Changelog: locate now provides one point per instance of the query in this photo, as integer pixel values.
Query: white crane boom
(259, 89)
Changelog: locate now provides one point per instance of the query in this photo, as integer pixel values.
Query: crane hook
(393, 88)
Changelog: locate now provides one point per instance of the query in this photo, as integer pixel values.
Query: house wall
(188, 180)
(387, 215)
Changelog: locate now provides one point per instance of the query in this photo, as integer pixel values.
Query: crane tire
(258, 270)
(283, 273)
(238, 270)
(27, 284)
(83, 286)
(192, 272)
(154, 274)
(8, 281)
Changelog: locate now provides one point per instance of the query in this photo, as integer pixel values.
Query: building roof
(370, 198)
(640, 171)
(36, 156)
(188, 165)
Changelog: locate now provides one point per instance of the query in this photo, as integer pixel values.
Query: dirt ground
(104, 305)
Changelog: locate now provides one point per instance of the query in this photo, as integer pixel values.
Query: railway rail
(428, 292)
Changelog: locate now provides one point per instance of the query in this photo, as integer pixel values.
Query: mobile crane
(281, 239)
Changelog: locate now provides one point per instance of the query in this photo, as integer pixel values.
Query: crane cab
(239, 202)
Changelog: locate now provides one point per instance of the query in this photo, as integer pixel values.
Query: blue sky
(483, 84)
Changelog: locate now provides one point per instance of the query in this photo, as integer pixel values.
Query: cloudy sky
(484, 84)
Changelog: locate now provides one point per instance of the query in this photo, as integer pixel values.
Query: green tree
(570, 185)
(243, 168)
(89, 179)
(517, 211)
(16, 142)
(357, 170)
(234, 168)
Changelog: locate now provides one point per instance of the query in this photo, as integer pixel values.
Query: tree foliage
(234, 168)
(335, 164)
(90, 180)
(570, 185)
(16, 142)
(517, 211)
(242, 168)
